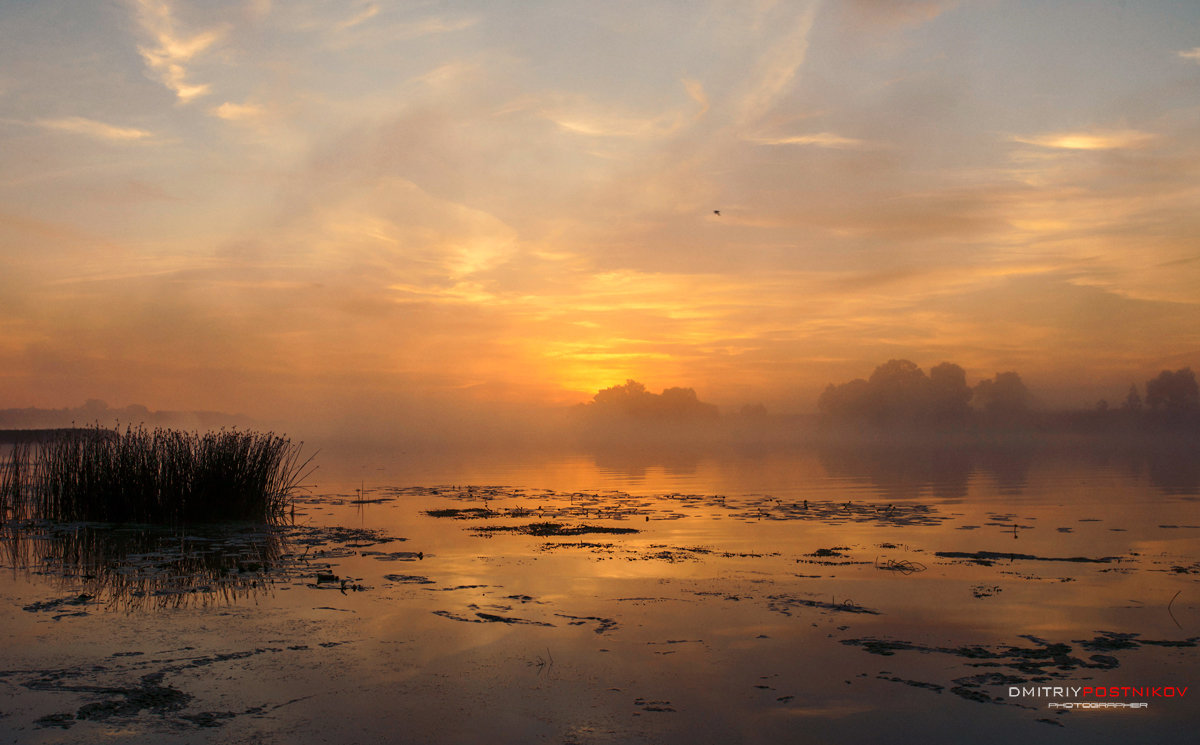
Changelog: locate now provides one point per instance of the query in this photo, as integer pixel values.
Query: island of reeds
(150, 476)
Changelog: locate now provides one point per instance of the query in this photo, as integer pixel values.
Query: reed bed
(151, 476)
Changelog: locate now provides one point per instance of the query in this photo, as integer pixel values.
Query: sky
(303, 208)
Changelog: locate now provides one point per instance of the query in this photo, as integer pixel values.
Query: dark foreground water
(851, 595)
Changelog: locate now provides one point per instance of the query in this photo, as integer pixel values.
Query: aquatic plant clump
(151, 476)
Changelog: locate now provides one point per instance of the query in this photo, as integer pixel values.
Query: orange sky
(366, 207)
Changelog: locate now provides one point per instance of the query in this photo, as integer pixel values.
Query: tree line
(900, 394)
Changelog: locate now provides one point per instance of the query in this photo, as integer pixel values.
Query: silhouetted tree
(848, 401)
(633, 401)
(1133, 401)
(1004, 399)
(1173, 393)
(753, 411)
(899, 393)
(682, 403)
(950, 399)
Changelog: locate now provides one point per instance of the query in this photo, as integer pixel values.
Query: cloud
(587, 118)
(613, 124)
(93, 128)
(777, 67)
(1192, 54)
(384, 30)
(169, 51)
(238, 112)
(820, 139)
(892, 14)
(1127, 139)
(367, 13)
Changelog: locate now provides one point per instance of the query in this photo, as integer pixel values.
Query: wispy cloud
(367, 13)
(777, 67)
(889, 14)
(169, 51)
(588, 118)
(435, 25)
(1126, 139)
(1192, 54)
(374, 26)
(239, 112)
(819, 139)
(93, 128)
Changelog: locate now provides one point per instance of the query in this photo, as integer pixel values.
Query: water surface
(838, 595)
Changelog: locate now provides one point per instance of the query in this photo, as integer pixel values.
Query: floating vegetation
(481, 617)
(1043, 659)
(467, 514)
(552, 529)
(986, 558)
(1041, 662)
(835, 551)
(151, 476)
(408, 579)
(903, 566)
(120, 690)
(602, 624)
(985, 591)
(786, 603)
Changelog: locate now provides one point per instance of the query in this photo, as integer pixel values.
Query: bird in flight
(717, 213)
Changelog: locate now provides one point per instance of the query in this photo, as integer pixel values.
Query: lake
(868, 594)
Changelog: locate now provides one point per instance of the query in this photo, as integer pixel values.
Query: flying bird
(717, 213)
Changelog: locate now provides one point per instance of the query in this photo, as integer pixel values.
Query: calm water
(631, 597)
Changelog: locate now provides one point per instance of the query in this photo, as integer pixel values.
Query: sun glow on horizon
(271, 207)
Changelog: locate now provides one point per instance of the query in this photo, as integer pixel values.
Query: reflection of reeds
(139, 567)
(161, 475)
(12, 481)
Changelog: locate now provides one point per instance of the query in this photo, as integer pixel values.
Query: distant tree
(848, 401)
(633, 401)
(899, 393)
(1133, 401)
(950, 397)
(753, 411)
(1004, 399)
(683, 403)
(1173, 393)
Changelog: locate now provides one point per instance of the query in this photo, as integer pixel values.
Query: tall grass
(151, 476)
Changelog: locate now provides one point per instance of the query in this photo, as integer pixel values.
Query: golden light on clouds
(1100, 140)
(93, 128)
(820, 139)
(381, 205)
(239, 111)
(169, 52)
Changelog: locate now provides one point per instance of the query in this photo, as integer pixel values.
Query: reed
(151, 476)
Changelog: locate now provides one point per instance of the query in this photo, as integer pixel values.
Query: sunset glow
(301, 208)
